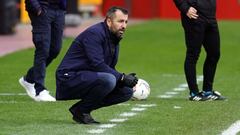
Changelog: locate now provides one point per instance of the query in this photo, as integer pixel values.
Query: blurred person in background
(201, 29)
(47, 20)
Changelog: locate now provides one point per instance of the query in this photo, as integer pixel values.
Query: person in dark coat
(201, 29)
(87, 71)
(47, 19)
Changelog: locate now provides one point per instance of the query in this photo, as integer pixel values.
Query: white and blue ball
(141, 90)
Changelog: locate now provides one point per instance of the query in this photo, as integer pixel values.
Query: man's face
(118, 23)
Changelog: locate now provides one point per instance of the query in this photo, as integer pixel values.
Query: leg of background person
(41, 38)
(56, 34)
(29, 76)
(194, 35)
(212, 47)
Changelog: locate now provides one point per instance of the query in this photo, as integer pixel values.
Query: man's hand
(192, 13)
(129, 80)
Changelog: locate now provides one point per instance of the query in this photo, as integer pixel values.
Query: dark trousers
(47, 38)
(198, 33)
(104, 91)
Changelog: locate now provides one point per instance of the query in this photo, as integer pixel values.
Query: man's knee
(192, 56)
(213, 59)
(107, 80)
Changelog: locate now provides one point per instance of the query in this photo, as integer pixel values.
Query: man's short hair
(112, 10)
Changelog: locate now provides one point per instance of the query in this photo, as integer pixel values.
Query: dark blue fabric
(36, 5)
(94, 50)
(87, 71)
(101, 93)
(47, 37)
(63, 4)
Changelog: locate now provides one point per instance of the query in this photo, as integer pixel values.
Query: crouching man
(87, 71)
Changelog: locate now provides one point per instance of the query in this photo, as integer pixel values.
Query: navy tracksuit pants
(47, 29)
(198, 33)
(103, 91)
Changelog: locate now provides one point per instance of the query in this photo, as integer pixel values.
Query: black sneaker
(213, 95)
(83, 118)
(197, 97)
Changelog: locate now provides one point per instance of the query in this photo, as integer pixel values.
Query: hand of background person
(129, 80)
(192, 13)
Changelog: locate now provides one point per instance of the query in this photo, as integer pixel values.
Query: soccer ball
(141, 90)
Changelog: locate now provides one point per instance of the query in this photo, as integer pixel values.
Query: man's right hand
(129, 80)
(192, 13)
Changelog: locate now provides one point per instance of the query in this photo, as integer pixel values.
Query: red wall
(147, 8)
(168, 10)
(137, 8)
(109, 3)
(226, 9)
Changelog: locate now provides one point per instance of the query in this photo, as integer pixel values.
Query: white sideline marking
(8, 102)
(107, 125)
(138, 109)
(177, 107)
(164, 96)
(13, 94)
(15, 102)
(118, 120)
(184, 85)
(123, 104)
(233, 129)
(171, 93)
(128, 114)
(200, 78)
(179, 89)
(146, 105)
(104, 127)
(96, 131)
(171, 75)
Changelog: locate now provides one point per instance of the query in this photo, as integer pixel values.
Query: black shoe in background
(213, 95)
(197, 97)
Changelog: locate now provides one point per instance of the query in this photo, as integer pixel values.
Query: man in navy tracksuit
(47, 19)
(201, 28)
(87, 71)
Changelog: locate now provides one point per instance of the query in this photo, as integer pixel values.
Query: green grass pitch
(155, 50)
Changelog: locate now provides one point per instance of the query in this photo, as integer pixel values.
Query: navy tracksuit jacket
(94, 50)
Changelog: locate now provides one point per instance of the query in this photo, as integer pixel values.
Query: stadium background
(154, 49)
(12, 12)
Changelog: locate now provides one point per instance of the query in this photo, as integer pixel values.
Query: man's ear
(109, 22)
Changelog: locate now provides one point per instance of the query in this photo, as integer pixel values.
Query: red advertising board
(165, 9)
